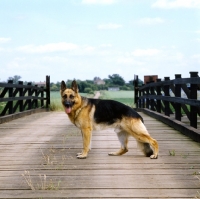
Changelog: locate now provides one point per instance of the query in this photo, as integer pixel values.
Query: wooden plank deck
(43, 148)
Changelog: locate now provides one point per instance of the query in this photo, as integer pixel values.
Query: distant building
(113, 89)
(40, 84)
(99, 82)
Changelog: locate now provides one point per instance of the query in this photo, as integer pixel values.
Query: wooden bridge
(38, 160)
(38, 148)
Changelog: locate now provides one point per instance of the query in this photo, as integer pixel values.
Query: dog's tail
(145, 148)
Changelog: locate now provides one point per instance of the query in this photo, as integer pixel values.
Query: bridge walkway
(38, 160)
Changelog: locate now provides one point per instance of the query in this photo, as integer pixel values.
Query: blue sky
(81, 39)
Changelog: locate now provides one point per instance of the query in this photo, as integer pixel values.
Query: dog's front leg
(86, 133)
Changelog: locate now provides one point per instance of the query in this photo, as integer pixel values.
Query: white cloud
(99, 2)
(52, 47)
(146, 52)
(109, 26)
(168, 4)
(4, 40)
(150, 21)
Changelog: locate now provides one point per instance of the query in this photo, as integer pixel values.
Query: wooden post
(135, 84)
(29, 94)
(10, 95)
(42, 96)
(47, 91)
(166, 91)
(193, 95)
(178, 94)
(21, 108)
(147, 99)
(143, 100)
(152, 102)
(140, 100)
(158, 90)
(36, 95)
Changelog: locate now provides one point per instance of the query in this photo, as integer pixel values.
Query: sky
(83, 39)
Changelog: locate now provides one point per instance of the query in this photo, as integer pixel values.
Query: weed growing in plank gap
(172, 152)
(43, 185)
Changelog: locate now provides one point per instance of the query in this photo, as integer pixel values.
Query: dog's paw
(153, 156)
(81, 156)
(112, 154)
(78, 154)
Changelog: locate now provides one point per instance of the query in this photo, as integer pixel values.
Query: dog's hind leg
(136, 128)
(123, 139)
(145, 148)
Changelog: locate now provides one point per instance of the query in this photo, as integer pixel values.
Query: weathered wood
(23, 97)
(46, 144)
(100, 193)
(172, 100)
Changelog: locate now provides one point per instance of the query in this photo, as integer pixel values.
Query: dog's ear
(63, 86)
(74, 86)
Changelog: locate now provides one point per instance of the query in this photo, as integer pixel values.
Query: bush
(88, 90)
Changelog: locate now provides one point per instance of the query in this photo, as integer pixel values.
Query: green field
(126, 97)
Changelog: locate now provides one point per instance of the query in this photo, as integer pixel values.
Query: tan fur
(82, 115)
(136, 128)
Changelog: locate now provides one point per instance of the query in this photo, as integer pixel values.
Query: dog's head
(69, 96)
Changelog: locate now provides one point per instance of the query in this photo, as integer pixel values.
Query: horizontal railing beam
(193, 80)
(180, 100)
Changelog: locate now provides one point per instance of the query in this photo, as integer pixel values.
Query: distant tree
(54, 88)
(82, 85)
(96, 79)
(89, 86)
(107, 81)
(69, 83)
(15, 78)
(117, 79)
(88, 90)
(140, 82)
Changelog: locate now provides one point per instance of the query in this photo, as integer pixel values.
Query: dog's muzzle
(68, 106)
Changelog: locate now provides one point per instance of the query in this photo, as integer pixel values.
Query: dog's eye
(64, 96)
(71, 97)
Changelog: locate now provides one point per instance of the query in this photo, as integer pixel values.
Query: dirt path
(97, 95)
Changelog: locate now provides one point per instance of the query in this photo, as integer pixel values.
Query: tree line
(89, 86)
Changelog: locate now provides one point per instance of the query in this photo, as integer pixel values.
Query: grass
(172, 153)
(126, 97)
(50, 162)
(43, 183)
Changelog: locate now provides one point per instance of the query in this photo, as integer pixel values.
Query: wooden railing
(178, 97)
(15, 98)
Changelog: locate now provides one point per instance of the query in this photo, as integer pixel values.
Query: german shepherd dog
(89, 114)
